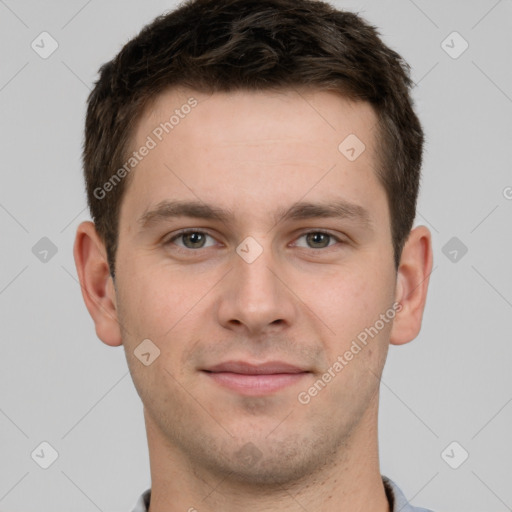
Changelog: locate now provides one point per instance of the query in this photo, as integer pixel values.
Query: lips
(255, 379)
(245, 368)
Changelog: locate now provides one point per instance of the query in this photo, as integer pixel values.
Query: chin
(269, 463)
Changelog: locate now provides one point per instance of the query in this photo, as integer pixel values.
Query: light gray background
(60, 384)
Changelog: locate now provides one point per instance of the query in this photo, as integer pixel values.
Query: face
(285, 262)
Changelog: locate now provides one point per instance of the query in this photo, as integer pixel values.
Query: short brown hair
(226, 45)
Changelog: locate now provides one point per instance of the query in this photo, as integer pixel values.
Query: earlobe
(412, 285)
(96, 283)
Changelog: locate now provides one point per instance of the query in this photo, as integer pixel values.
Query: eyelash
(189, 231)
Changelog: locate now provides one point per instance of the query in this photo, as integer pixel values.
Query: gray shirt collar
(397, 500)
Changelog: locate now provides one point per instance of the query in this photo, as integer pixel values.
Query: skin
(303, 300)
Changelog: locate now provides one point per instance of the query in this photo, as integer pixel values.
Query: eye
(196, 239)
(318, 239)
(192, 239)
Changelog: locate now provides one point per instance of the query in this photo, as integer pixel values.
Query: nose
(255, 298)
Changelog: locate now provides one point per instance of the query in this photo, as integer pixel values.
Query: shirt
(396, 498)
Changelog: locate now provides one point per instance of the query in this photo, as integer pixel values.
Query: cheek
(157, 298)
(353, 297)
(352, 306)
(154, 308)
(168, 308)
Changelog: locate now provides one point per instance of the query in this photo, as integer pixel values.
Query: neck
(350, 482)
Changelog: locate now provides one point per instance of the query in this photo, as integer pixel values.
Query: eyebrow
(339, 208)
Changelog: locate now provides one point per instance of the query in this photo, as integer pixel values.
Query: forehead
(324, 117)
(253, 148)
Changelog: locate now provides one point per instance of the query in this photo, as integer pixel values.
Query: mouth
(255, 379)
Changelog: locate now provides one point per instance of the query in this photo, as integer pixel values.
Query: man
(252, 170)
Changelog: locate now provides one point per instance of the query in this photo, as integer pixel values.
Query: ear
(96, 282)
(412, 285)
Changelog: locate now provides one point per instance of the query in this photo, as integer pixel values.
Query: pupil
(195, 238)
(318, 238)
